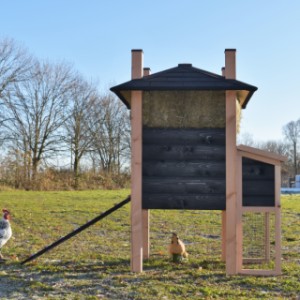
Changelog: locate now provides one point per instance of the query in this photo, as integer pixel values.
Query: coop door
(261, 241)
(260, 218)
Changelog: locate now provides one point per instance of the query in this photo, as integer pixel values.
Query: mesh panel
(258, 239)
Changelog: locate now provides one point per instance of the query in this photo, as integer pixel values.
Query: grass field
(95, 264)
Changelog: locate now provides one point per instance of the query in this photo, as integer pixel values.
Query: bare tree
(277, 147)
(291, 132)
(78, 136)
(109, 126)
(246, 139)
(36, 110)
(15, 62)
(281, 148)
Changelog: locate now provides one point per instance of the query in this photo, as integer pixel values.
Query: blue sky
(97, 37)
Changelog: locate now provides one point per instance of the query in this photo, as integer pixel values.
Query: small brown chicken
(177, 249)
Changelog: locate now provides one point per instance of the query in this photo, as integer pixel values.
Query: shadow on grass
(113, 279)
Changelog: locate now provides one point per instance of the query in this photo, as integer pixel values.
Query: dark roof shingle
(184, 77)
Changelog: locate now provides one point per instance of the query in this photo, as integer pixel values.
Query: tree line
(58, 131)
(51, 119)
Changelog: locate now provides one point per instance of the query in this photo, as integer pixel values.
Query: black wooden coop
(184, 154)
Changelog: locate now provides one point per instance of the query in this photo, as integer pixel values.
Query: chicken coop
(184, 123)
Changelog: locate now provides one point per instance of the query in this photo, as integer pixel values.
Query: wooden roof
(182, 78)
(261, 155)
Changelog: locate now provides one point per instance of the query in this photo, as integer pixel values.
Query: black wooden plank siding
(184, 169)
(183, 186)
(184, 201)
(258, 183)
(201, 168)
(174, 136)
(183, 152)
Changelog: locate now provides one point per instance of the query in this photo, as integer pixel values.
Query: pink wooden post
(223, 216)
(231, 156)
(146, 212)
(223, 235)
(277, 220)
(147, 71)
(136, 167)
(239, 213)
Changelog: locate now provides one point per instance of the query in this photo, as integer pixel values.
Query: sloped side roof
(261, 154)
(184, 77)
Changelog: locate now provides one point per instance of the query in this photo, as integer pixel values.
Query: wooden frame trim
(231, 197)
(239, 223)
(223, 235)
(136, 183)
(261, 155)
(259, 272)
(137, 224)
(259, 209)
(275, 160)
(261, 159)
(267, 236)
(277, 220)
(254, 260)
(231, 161)
(146, 233)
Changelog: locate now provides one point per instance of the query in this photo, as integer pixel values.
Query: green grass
(96, 263)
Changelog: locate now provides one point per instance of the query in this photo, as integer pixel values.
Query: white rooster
(5, 230)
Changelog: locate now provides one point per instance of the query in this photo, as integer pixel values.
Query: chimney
(230, 69)
(136, 63)
(223, 71)
(147, 72)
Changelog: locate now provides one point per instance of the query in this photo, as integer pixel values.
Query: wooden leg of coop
(231, 197)
(146, 244)
(239, 213)
(231, 157)
(267, 236)
(277, 220)
(223, 238)
(136, 239)
(136, 183)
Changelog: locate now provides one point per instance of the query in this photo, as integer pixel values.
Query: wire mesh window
(258, 240)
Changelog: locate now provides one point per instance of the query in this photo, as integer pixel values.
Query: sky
(97, 36)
